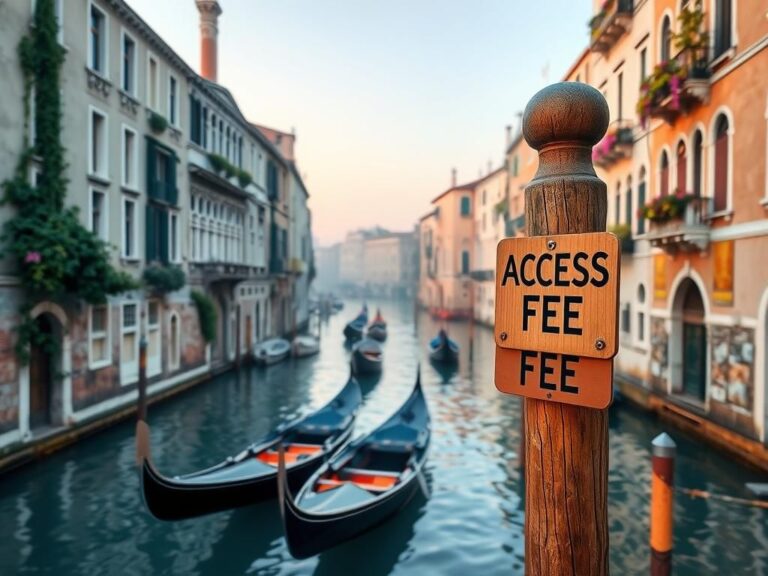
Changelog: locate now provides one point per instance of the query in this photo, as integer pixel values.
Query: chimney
(453, 177)
(209, 32)
(489, 166)
(509, 134)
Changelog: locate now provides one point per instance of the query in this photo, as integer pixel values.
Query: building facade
(390, 265)
(164, 168)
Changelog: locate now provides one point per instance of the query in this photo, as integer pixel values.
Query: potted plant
(157, 123)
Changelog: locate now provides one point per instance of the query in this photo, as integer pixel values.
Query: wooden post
(566, 447)
(662, 504)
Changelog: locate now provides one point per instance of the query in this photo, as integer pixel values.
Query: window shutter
(163, 234)
(172, 194)
(151, 168)
(151, 244)
(721, 172)
(641, 204)
(629, 208)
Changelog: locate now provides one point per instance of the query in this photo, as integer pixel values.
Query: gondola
(305, 345)
(378, 328)
(251, 475)
(354, 329)
(367, 357)
(444, 350)
(271, 351)
(364, 484)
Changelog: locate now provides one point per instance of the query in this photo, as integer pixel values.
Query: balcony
(610, 24)
(482, 275)
(616, 145)
(687, 230)
(624, 234)
(675, 87)
(212, 272)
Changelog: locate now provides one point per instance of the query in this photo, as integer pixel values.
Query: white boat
(271, 351)
(305, 345)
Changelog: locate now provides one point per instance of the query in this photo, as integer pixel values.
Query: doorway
(45, 402)
(694, 342)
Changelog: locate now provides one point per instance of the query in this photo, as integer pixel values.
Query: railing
(482, 275)
(213, 271)
(608, 25)
(689, 232)
(616, 145)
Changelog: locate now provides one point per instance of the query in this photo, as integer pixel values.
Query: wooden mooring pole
(566, 447)
(662, 503)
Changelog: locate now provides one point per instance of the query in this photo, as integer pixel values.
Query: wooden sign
(559, 294)
(555, 377)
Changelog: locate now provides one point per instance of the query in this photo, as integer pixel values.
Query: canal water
(80, 512)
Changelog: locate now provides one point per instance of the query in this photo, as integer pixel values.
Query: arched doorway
(690, 332)
(45, 372)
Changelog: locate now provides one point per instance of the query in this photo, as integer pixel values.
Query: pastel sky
(385, 96)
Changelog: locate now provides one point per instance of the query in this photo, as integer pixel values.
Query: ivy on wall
(55, 255)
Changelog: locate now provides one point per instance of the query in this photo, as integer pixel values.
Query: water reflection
(79, 511)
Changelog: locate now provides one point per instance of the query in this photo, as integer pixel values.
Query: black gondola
(378, 328)
(444, 350)
(365, 483)
(367, 357)
(354, 329)
(251, 476)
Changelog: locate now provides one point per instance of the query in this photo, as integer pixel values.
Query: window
(666, 39)
(628, 205)
(664, 174)
(195, 121)
(129, 343)
(161, 173)
(173, 241)
(99, 352)
(154, 349)
(682, 168)
(130, 157)
(483, 197)
(626, 312)
(130, 228)
(643, 64)
(173, 101)
(174, 342)
(641, 314)
(98, 152)
(641, 200)
(157, 233)
(153, 83)
(723, 23)
(721, 163)
(128, 65)
(465, 262)
(515, 165)
(98, 42)
(466, 206)
(620, 95)
(698, 151)
(99, 216)
(617, 205)
(214, 133)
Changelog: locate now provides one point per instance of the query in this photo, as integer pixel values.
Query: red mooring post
(662, 504)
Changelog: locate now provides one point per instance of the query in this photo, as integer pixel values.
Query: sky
(386, 97)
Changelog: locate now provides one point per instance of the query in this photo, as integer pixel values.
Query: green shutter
(163, 232)
(151, 168)
(172, 194)
(151, 244)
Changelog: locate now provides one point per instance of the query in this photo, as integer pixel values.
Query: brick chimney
(453, 177)
(209, 32)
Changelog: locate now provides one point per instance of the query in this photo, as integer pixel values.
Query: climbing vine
(55, 255)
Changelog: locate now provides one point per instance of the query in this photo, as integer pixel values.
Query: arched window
(682, 167)
(617, 206)
(721, 163)
(666, 39)
(664, 174)
(640, 313)
(723, 23)
(641, 200)
(174, 342)
(628, 204)
(698, 154)
(465, 206)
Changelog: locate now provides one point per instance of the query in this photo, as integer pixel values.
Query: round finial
(565, 112)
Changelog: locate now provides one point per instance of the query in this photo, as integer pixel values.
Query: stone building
(390, 264)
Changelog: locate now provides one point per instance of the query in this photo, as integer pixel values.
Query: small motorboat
(354, 330)
(378, 328)
(250, 476)
(305, 345)
(271, 351)
(364, 484)
(367, 357)
(444, 350)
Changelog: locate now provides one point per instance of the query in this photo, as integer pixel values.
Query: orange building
(687, 83)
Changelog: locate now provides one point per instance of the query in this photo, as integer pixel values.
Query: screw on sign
(557, 307)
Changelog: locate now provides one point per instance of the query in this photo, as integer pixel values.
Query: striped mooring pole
(662, 504)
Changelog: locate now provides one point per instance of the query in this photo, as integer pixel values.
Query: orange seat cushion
(292, 453)
(364, 481)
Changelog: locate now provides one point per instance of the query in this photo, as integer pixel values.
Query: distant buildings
(164, 167)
